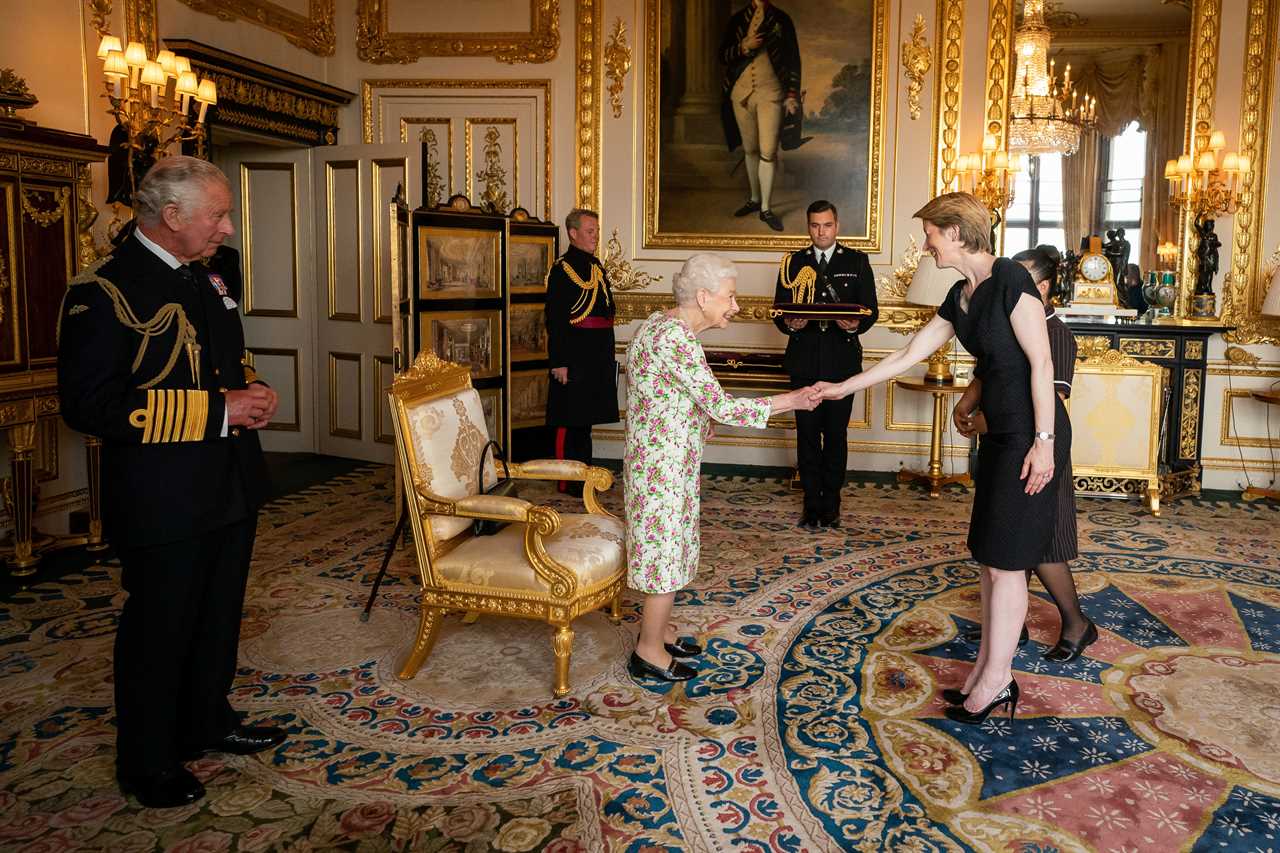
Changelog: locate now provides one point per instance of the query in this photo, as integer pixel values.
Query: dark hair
(821, 206)
(1044, 260)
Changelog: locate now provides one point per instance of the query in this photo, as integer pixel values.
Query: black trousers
(176, 645)
(573, 442)
(822, 452)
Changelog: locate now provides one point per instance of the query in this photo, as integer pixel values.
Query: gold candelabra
(988, 174)
(152, 99)
(1168, 253)
(1203, 186)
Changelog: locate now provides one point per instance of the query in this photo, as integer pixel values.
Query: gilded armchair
(543, 565)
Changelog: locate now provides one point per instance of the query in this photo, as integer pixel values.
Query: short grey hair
(173, 180)
(574, 219)
(703, 271)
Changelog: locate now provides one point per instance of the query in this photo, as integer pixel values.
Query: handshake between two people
(806, 399)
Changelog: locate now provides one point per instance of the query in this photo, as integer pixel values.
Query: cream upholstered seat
(543, 565)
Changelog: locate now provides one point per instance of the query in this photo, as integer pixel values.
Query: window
(1035, 216)
(1125, 168)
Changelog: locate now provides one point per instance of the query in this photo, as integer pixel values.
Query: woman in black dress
(996, 313)
(1078, 631)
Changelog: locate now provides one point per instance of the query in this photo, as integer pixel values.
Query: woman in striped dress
(1078, 631)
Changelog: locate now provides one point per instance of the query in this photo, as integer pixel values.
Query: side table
(934, 476)
(1253, 493)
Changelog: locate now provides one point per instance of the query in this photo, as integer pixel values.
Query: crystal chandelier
(1045, 116)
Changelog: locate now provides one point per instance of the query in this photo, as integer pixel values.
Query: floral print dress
(671, 399)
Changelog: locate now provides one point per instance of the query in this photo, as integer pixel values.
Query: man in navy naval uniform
(579, 313)
(151, 361)
(824, 350)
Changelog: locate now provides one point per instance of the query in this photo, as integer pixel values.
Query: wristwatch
(1044, 436)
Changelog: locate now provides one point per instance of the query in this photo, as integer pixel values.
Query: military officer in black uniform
(151, 361)
(584, 375)
(823, 350)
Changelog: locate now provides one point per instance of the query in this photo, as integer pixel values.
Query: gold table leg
(934, 476)
(93, 458)
(1254, 493)
(22, 441)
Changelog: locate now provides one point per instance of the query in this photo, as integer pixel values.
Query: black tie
(822, 265)
(187, 275)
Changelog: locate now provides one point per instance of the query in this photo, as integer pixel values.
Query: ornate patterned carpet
(814, 723)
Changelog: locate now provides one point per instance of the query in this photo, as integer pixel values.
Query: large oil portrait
(753, 112)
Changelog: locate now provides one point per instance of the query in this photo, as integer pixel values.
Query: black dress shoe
(808, 520)
(830, 519)
(747, 209)
(164, 790)
(242, 740)
(641, 668)
(683, 649)
(769, 218)
(1068, 650)
(952, 696)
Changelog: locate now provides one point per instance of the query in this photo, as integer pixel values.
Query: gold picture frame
(527, 332)
(673, 203)
(529, 397)
(459, 263)
(526, 254)
(471, 338)
(376, 43)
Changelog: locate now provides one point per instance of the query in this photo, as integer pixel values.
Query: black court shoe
(1069, 650)
(683, 649)
(952, 696)
(975, 636)
(1009, 695)
(641, 668)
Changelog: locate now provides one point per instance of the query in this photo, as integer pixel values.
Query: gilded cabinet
(45, 213)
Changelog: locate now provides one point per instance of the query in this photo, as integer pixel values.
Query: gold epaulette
(169, 315)
(171, 416)
(802, 286)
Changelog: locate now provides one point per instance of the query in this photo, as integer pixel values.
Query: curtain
(1164, 143)
(1080, 174)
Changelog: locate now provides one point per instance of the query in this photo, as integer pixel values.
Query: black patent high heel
(954, 696)
(1008, 695)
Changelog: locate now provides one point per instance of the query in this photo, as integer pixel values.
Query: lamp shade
(1271, 305)
(929, 284)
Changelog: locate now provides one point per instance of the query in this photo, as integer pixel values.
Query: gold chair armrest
(495, 507)
(550, 469)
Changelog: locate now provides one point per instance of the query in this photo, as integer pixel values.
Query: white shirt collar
(827, 252)
(160, 252)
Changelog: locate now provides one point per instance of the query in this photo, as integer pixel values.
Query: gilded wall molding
(312, 32)
(946, 91)
(1246, 285)
(917, 59)
(376, 44)
(999, 65)
(140, 24)
(1206, 21)
(100, 13)
(617, 64)
(622, 276)
(586, 156)
(369, 106)
(1225, 438)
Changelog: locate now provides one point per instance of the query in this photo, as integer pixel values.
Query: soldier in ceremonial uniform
(762, 99)
(584, 375)
(821, 349)
(151, 361)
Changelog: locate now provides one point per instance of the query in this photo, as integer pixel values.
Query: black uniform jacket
(780, 43)
(833, 354)
(143, 358)
(591, 394)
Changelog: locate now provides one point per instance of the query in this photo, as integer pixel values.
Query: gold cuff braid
(172, 415)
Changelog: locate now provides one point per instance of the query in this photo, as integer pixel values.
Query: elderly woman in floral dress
(672, 397)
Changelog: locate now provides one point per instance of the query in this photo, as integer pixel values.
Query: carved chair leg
(563, 645)
(1153, 500)
(615, 608)
(428, 627)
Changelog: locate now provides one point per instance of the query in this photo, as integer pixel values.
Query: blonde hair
(964, 211)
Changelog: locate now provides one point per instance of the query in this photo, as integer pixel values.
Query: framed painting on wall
(470, 338)
(528, 259)
(529, 397)
(528, 325)
(459, 263)
(784, 108)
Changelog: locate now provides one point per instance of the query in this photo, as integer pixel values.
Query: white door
(352, 190)
(271, 190)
